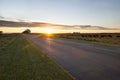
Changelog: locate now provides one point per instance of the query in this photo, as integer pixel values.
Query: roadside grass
(104, 42)
(5, 40)
(22, 60)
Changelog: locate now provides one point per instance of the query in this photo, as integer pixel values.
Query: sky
(105, 13)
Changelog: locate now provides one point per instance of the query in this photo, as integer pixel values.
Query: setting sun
(49, 30)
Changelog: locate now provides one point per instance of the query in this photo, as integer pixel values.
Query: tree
(1, 32)
(27, 31)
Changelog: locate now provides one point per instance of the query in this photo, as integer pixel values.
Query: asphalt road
(84, 61)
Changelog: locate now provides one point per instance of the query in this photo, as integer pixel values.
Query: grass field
(107, 39)
(6, 39)
(113, 42)
(20, 59)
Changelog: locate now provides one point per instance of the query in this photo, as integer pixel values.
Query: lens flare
(49, 31)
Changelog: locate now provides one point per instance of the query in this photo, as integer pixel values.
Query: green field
(107, 39)
(20, 59)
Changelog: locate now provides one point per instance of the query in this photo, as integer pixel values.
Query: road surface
(84, 61)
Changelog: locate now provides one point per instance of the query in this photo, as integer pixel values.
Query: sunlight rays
(49, 30)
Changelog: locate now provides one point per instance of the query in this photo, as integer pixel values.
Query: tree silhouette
(1, 32)
(27, 31)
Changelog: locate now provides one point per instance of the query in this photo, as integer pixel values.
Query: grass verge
(109, 44)
(22, 60)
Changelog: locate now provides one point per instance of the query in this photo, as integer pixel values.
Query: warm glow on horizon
(51, 30)
(48, 31)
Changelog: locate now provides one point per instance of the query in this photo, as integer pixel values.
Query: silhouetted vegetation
(27, 31)
(112, 39)
(1, 32)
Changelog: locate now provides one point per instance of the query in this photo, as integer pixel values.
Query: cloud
(41, 24)
(9, 22)
(1, 17)
(11, 19)
(4, 23)
(82, 27)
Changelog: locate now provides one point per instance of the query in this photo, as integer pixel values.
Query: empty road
(83, 60)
